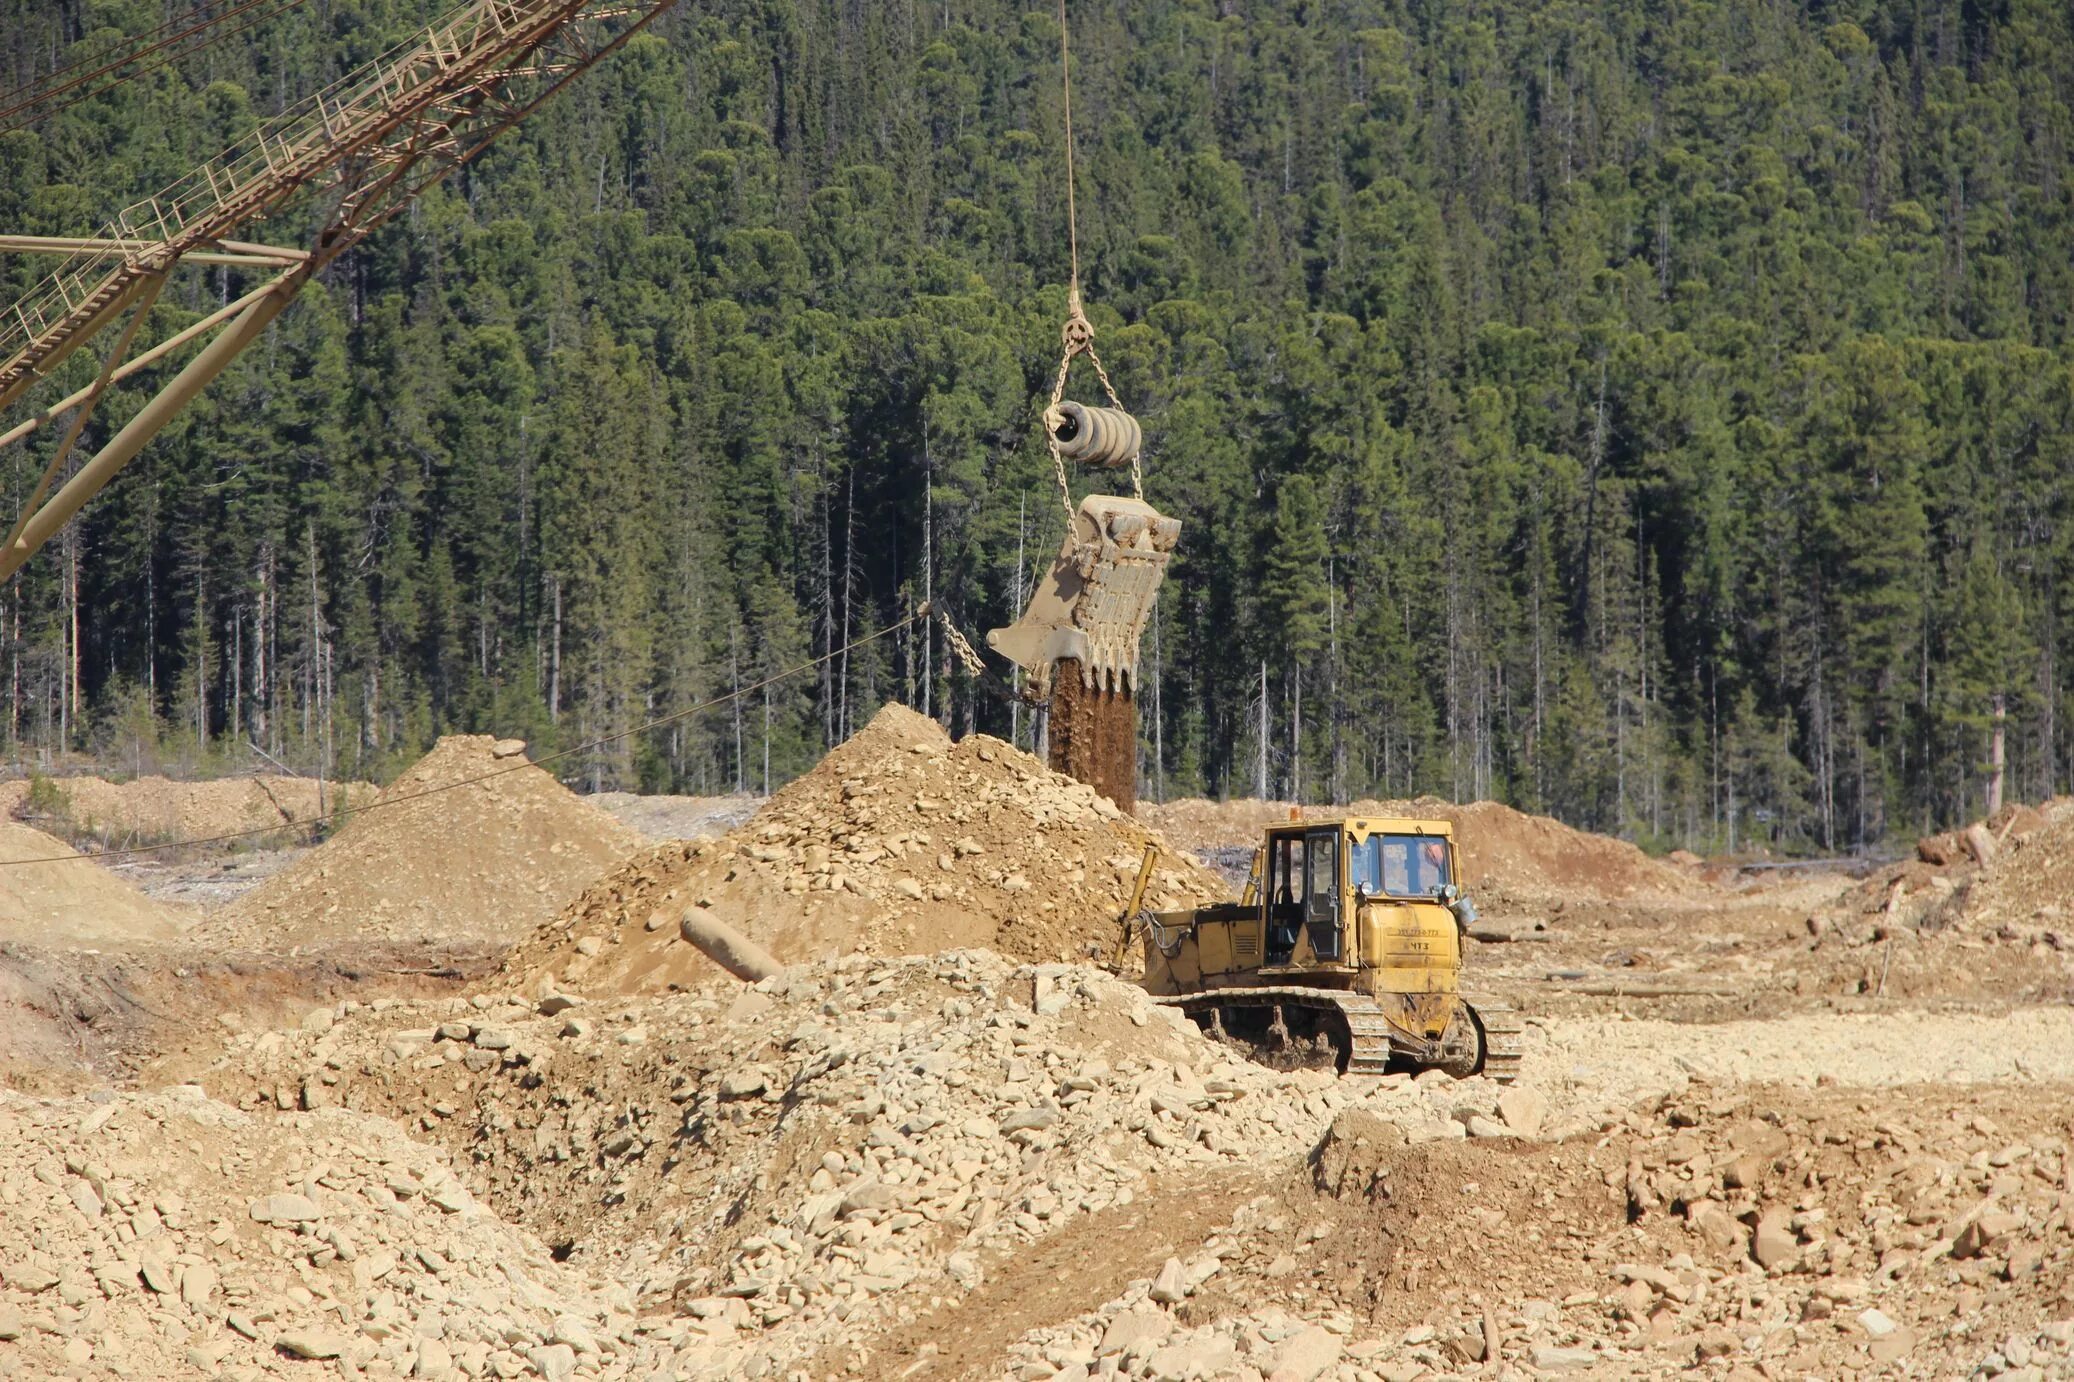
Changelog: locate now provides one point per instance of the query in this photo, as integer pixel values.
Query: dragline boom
(364, 147)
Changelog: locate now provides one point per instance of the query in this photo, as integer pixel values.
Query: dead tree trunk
(1995, 755)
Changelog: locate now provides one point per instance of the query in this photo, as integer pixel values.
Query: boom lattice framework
(366, 145)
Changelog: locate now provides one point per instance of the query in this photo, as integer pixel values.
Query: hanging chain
(964, 649)
(1137, 463)
(1077, 337)
(1074, 342)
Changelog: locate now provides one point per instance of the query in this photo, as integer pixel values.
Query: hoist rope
(1077, 336)
(1072, 218)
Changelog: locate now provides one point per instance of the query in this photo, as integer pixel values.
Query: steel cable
(922, 613)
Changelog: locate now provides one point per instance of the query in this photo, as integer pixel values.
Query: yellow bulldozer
(1348, 941)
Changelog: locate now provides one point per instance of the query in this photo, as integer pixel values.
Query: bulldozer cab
(1326, 884)
(1363, 903)
(1305, 897)
(1400, 865)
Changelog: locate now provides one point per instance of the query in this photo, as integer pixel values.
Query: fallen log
(1608, 989)
(1508, 935)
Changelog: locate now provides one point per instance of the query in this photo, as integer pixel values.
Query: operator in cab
(1401, 866)
(1409, 867)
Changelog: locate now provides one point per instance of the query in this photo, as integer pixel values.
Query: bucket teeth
(1093, 603)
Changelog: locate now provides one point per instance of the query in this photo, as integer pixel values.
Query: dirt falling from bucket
(1094, 735)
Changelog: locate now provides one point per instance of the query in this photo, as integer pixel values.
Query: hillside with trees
(1659, 415)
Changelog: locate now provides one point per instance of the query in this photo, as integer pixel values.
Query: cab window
(1402, 865)
(1323, 867)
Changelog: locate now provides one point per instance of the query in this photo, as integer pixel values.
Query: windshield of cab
(1400, 865)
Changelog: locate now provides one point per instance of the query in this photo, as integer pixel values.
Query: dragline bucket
(1092, 605)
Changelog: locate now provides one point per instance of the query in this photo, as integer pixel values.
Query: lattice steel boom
(366, 145)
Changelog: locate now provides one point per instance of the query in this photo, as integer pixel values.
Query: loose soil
(898, 842)
(435, 862)
(1768, 1126)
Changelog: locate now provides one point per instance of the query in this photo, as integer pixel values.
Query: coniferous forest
(1656, 414)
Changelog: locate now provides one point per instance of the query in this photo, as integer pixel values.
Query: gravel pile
(899, 841)
(70, 900)
(167, 1235)
(436, 861)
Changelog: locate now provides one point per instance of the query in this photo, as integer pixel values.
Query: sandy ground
(1769, 1126)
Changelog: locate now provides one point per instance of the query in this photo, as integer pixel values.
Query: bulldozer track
(1501, 1040)
(1365, 1028)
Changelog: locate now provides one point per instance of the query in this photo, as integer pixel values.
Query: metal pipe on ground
(727, 947)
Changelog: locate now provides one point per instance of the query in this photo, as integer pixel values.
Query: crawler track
(1501, 1028)
(1361, 1031)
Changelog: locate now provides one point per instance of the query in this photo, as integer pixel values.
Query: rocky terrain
(898, 841)
(1770, 1125)
(165, 1234)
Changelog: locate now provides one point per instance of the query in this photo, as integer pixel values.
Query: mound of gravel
(166, 1235)
(899, 841)
(2028, 880)
(437, 862)
(71, 900)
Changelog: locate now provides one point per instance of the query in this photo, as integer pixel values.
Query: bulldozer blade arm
(1092, 604)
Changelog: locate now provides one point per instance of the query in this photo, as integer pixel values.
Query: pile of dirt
(2028, 879)
(72, 901)
(899, 841)
(1984, 910)
(151, 809)
(1731, 1232)
(1509, 856)
(790, 1164)
(1509, 859)
(2010, 864)
(432, 861)
(166, 1235)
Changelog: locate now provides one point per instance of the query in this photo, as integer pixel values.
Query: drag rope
(1072, 220)
(921, 613)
